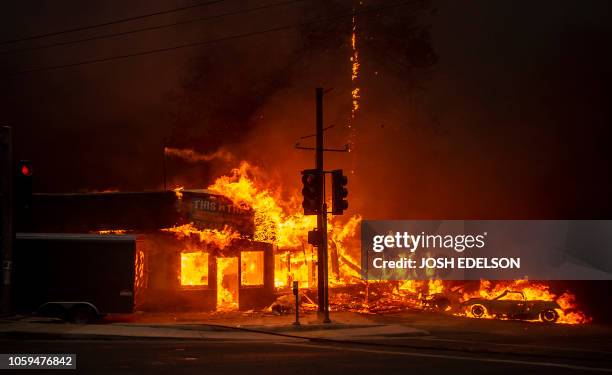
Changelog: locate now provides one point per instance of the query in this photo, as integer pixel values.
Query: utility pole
(314, 203)
(6, 175)
(322, 215)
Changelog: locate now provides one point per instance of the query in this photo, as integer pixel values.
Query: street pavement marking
(456, 357)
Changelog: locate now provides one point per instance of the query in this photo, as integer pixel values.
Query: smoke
(497, 133)
(192, 156)
(288, 113)
(512, 121)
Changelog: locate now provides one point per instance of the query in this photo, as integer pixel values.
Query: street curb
(287, 328)
(316, 339)
(25, 335)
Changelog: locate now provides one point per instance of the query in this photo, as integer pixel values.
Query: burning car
(510, 308)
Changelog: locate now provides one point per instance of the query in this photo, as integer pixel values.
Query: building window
(194, 268)
(251, 268)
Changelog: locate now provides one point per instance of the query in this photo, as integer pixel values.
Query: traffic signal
(312, 191)
(339, 192)
(314, 237)
(23, 186)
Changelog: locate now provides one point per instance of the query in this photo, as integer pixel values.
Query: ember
(355, 90)
(113, 231)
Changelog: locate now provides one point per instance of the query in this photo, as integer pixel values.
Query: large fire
(282, 224)
(285, 225)
(280, 221)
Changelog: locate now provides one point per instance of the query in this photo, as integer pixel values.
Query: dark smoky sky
(512, 121)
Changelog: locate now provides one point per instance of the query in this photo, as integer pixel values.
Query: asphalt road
(293, 357)
(453, 346)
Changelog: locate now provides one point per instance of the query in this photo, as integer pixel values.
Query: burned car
(447, 301)
(512, 308)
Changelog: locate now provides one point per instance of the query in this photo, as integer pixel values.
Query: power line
(109, 22)
(162, 26)
(212, 41)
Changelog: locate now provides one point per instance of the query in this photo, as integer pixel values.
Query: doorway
(227, 284)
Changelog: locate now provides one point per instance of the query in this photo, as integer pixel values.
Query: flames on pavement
(279, 220)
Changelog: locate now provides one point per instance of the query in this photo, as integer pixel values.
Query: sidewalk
(343, 328)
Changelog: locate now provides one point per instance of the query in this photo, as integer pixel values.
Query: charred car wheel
(549, 316)
(478, 311)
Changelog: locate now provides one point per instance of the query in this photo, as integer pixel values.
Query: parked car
(522, 309)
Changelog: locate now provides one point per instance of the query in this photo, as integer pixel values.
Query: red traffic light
(308, 179)
(26, 170)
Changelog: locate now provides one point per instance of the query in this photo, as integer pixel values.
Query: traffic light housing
(314, 237)
(22, 194)
(312, 191)
(339, 192)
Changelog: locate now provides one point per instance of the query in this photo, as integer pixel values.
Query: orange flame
(227, 297)
(219, 238)
(285, 225)
(113, 231)
(568, 314)
(179, 192)
(194, 268)
(251, 268)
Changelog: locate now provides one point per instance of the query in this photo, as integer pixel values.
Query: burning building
(239, 244)
(190, 275)
(197, 250)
